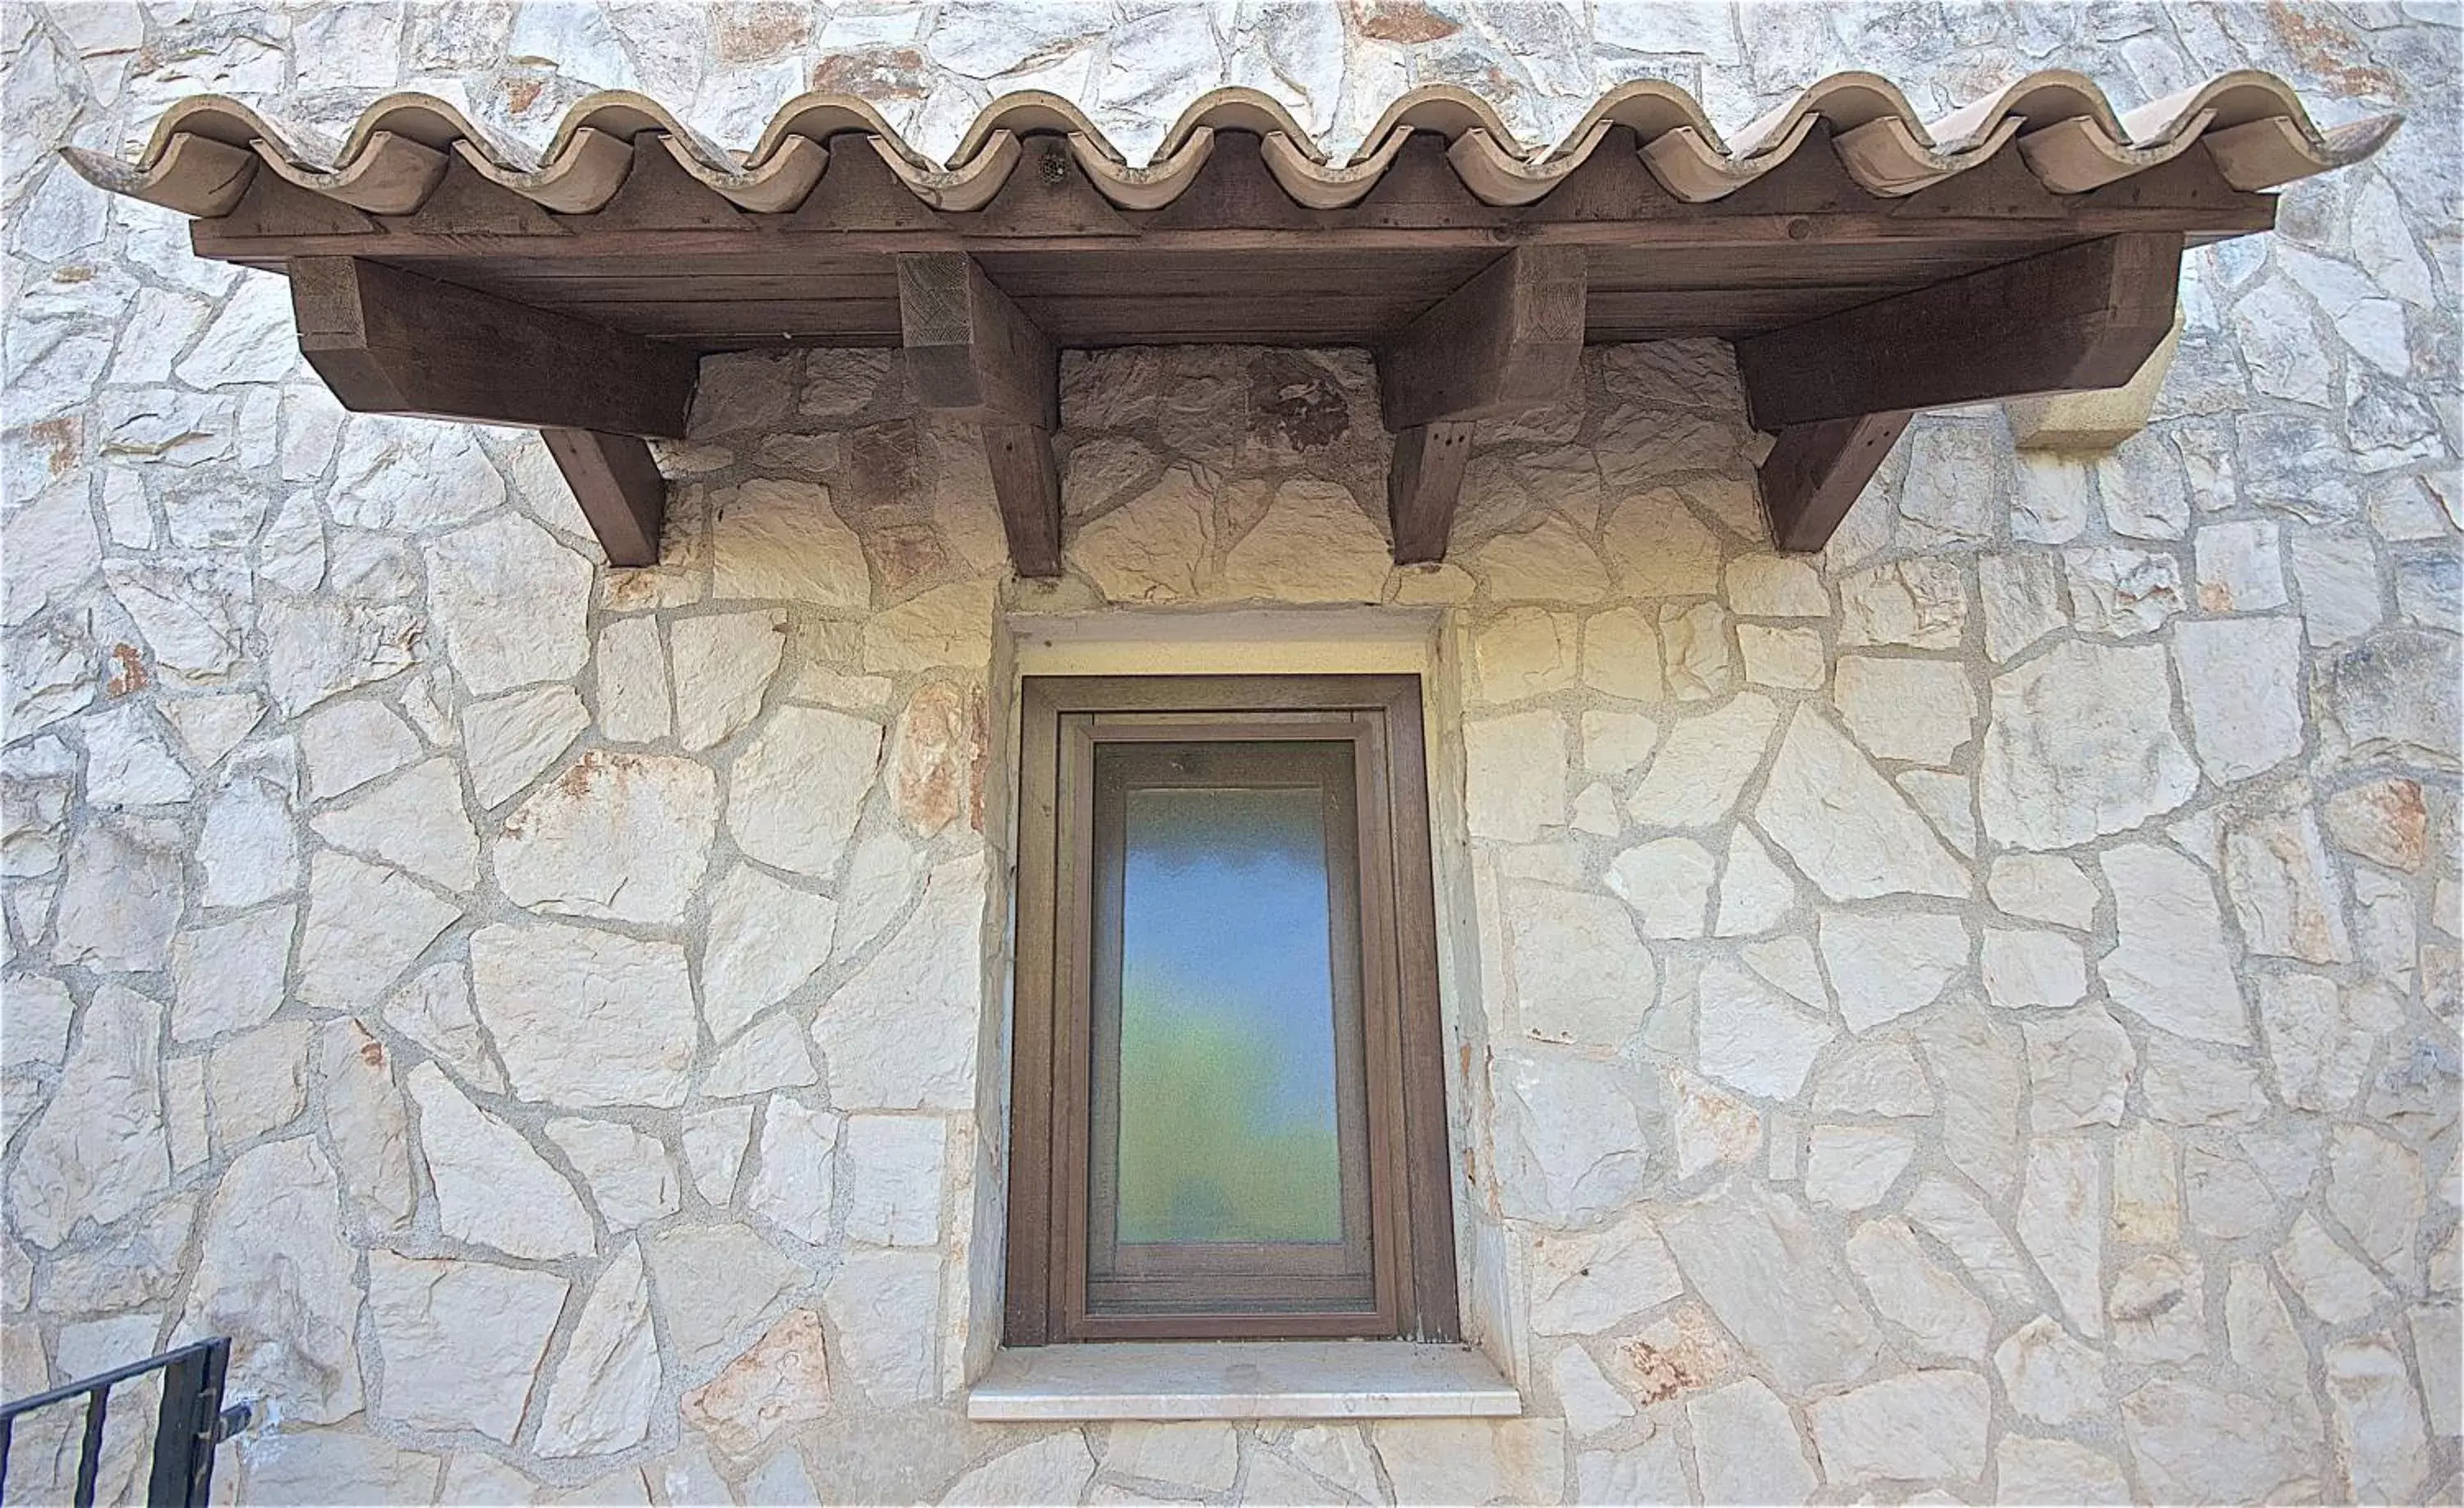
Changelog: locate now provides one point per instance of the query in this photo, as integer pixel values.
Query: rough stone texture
(1923, 1424)
(2078, 746)
(794, 793)
(609, 1380)
(618, 836)
(580, 1016)
(2171, 966)
(1849, 831)
(1999, 973)
(492, 1188)
(461, 1340)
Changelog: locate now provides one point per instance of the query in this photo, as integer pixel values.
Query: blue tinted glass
(1227, 1130)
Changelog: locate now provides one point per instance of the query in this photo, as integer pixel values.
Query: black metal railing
(189, 1423)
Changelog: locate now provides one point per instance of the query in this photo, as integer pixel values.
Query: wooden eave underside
(1233, 259)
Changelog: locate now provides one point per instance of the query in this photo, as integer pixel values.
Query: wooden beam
(1422, 485)
(970, 350)
(969, 347)
(1815, 471)
(2087, 316)
(1027, 486)
(1508, 341)
(387, 342)
(618, 484)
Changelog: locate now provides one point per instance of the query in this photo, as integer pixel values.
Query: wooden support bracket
(1835, 392)
(617, 482)
(971, 350)
(387, 342)
(1423, 482)
(1507, 341)
(1814, 472)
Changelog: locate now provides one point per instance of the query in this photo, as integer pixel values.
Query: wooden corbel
(1835, 392)
(1507, 341)
(387, 342)
(971, 350)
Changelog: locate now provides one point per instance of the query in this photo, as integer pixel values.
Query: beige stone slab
(1243, 1380)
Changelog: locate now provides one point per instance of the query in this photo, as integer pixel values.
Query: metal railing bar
(189, 1421)
(97, 1404)
(86, 1384)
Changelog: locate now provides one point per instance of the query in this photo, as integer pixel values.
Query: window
(1228, 1115)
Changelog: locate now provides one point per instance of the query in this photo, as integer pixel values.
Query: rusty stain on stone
(58, 438)
(1404, 21)
(131, 675)
(755, 32)
(877, 73)
(2323, 48)
(903, 555)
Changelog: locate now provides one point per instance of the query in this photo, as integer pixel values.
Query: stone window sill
(1242, 1380)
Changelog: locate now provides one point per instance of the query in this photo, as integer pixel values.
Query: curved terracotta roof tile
(204, 151)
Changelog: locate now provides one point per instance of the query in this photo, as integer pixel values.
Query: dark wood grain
(617, 482)
(1508, 341)
(1027, 488)
(389, 341)
(2084, 316)
(1815, 473)
(1423, 482)
(970, 348)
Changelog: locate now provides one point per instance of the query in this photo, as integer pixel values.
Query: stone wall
(1970, 1016)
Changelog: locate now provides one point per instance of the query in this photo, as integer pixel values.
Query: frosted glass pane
(1227, 1053)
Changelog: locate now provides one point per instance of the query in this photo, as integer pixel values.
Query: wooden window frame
(1411, 1199)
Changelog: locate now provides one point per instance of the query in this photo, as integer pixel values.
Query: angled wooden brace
(1837, 391)
(1507, 341)
(387, 342)
(971, 350)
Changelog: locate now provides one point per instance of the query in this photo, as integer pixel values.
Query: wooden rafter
(1507, 341)
(970, 350)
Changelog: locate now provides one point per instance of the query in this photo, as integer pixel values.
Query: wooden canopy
(1865, 264)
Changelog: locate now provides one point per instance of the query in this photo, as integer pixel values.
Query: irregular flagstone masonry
(1972, 1015)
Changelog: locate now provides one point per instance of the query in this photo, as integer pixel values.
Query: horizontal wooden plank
(760, 317)
(1705, 232)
